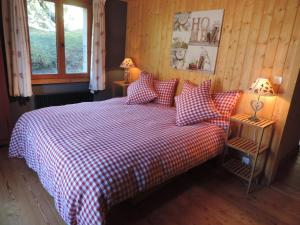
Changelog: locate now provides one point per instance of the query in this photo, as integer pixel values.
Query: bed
(91, 156)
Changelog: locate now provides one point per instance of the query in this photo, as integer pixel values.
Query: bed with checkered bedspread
(91, 156)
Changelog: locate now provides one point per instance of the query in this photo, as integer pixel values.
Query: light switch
(277, 80)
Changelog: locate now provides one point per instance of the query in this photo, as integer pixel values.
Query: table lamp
(260, 87)
(127, 64)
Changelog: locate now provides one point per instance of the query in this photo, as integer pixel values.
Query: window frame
(62, 76)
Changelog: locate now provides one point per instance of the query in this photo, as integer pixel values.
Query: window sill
(60, 80)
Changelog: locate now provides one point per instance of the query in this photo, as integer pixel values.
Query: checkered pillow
(166, 91)
(141, 91)
(187, 86)
(225, 103)
(195, 105)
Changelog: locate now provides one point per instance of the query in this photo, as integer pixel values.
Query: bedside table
(251, 150)
(122, 84)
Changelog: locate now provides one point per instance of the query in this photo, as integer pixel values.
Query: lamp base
(254, 118)
(256, 106)
(126, 76)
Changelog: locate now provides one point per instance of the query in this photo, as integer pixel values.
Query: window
(60, 37)
(75, 32)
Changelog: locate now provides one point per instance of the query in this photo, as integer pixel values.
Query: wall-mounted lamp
(260, 87)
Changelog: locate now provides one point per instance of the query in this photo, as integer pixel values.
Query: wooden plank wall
(259, 38)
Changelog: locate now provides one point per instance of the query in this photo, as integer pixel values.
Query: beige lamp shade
(262, 86)
(127, 63)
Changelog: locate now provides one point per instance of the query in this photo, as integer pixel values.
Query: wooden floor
(288, 177)
(204, 196)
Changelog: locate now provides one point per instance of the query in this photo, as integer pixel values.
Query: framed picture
(196, 39)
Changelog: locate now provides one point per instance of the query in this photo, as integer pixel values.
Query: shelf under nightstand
(244, 119)
(245, 146)
(240, 169)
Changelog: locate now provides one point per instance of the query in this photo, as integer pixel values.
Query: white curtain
(97, 74)
(17, 47)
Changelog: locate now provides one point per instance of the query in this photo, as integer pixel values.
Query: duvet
(91, 156)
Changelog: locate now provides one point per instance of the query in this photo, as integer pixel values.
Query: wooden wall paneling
(154, 38)
(240, 57)
(229, 10)
(155, 34)
(141, 34)
(255, 69)
(275, 30)
(285, 37)
(286, 90)
(259, 38)
(144, 45)
(233, 44)
(251, 45)
(242, 43)
(131, 31)
(262, 41)
(167, 20)
(261, 53)
(272, 45)
(134, 17)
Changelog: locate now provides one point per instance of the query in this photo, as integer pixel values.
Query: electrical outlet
(246, 160)
(277, 80)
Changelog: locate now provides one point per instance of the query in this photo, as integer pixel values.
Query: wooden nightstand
(237, 146)
(122, 84)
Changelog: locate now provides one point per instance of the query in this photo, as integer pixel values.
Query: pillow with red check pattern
(225, 103)
(141, 91)
(195, 105)
(187, 86)
(166, 91)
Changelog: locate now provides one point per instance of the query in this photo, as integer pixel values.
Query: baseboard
(3, 145)
(4, 142)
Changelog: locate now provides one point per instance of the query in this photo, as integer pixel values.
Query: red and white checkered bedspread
(91, 156)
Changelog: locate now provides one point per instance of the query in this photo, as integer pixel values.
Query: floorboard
(204, 196)
(288, 177)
